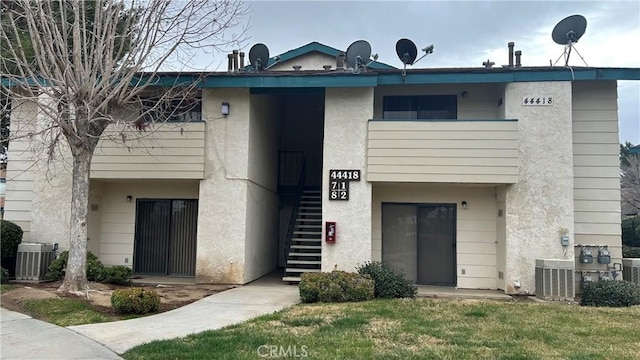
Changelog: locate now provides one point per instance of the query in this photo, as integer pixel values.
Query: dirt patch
(99, 295)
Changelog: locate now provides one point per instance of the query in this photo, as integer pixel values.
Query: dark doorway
(165, 241)
(419, 239)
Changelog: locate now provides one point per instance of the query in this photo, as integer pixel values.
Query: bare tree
(630, 184)
(82, 62)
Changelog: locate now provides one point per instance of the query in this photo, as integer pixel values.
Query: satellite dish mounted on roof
(567, 32)
(259, 56)
(407, 53)
(359, 56)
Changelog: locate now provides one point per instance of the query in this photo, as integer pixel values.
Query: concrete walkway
(26, 338)
(229, 307)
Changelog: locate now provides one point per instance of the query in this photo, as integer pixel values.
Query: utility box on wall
(555, 279)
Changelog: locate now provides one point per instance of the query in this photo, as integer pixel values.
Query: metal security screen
(165, 241)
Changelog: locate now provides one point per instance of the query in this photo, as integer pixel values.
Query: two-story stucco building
(458, 176)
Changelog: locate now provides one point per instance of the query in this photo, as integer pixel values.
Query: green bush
(630, 236)
(335, 286)
(389, 284)
(116, 275)
(135, 301)
(95, 269)
(4, 276)
(611, 293)
(630, 252)
(10, 238)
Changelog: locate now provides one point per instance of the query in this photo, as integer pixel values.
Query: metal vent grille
(32, 261)
(631, 270)
(555, 279)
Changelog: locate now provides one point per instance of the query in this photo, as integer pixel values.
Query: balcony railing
(451, 151)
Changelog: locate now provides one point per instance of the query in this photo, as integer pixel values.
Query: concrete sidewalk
(229, 307)
(26, 338)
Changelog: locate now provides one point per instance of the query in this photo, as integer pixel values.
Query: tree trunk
(75, 278)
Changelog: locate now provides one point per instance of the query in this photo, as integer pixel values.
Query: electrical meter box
(604, 256)
(564, 240)
(586, 280)
(586, 256)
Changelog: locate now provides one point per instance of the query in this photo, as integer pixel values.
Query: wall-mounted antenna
(408, 52)
(259, 57)
(567, 32)
(358, 56)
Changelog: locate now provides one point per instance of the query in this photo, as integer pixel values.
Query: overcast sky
(464, 33)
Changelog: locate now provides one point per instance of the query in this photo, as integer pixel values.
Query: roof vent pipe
(235, 60)
(518, 56)
(511, 45)
(326, 67)
(230, 65)
(297, 67)
(241, 60)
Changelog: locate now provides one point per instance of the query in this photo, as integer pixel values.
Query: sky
(464, 34)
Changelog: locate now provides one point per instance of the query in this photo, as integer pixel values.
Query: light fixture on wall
(464, 94)
(225, 108)
(464, 204)
(129, 198)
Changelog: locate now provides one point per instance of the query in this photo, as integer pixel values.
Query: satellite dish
(407, 51)
(569, 30)
(358, 54)
(259, 56)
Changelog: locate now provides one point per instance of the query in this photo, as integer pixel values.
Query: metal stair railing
(294, 211)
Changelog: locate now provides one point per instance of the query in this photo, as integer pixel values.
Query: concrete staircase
(305, 250)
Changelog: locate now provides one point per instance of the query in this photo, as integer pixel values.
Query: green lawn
(417, 329)
(6, 287)
(63, 312)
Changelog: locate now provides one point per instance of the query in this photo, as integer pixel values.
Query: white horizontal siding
(595, 163)
(443, 151)
(173, 151)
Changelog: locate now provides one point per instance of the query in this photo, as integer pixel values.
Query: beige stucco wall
(118, 216)
(596, 170)
(347, 112)
(222, 211)
(481, 101)
(261, 248)
(312, 61)
(475, 227)
(539, 208)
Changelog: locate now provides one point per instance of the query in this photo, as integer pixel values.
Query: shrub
(389, 284)
(629, 231)
(116, 275)
(10, 238)
(611, 293)
(630, 252)
(335, 286)
(95, 269)
(135, 301)
(4, 276)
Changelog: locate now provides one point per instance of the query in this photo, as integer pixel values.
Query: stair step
(304, 262)
(306, 247)
(310, 208)
(304, 254)
(309, 220)
(297, 270)
(310, 202)
(291, 278)
(312, 226)
(307, 232)
(307, 239)
(311, 214)
(311, 191)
